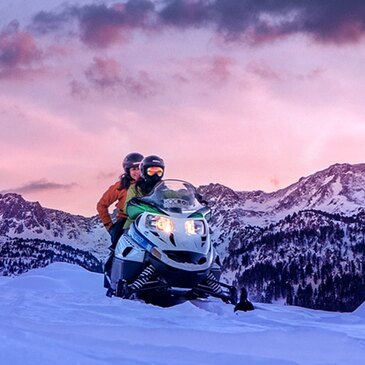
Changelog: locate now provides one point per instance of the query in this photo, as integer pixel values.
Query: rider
(152, 170)
(117, 193)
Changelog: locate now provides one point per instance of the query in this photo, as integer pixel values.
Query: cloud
(141, 85)
(337, 21)
(104, 72)
(314, 74)
(78, 89)
(107, 176)
(220, 68)
(99, 25)
(18, 51)
(208, 69)
(180, 13)
(49, 22)
(107, 74)
(263, 70)
(41, 185)
(250, 21)
(275, 182)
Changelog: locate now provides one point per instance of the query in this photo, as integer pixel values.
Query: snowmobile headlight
(154, 223)
(195, 226)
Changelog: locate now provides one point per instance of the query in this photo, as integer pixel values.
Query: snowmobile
(166, 257)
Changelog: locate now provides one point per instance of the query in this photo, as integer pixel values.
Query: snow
(360, 311)
(60, 314)
(96, 242)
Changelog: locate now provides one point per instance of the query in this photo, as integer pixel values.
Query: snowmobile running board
(126, 291)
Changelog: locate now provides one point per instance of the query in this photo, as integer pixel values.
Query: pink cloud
(312, 75)
(106, 176)
(252, 22)
(141, 85)
(102, 26)
(275, 182)
(207, 69)
(103, 35)
(263, 70)
(107, 74)
(99, 25)
(343, 31)
(42, 185)
(220, 68)
(78, 89)
(18, 51)
(185, 13)
(104, 72)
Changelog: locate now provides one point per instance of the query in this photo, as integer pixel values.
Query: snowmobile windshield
(174, 196)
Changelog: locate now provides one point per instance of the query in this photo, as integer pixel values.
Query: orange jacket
(113, 194)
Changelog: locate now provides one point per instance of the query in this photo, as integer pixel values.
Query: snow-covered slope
(59, 315)
(312, 258)
(304, 244)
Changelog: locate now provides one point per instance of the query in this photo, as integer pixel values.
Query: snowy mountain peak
(219, 193)
(24, 219)
(14, 206)
(339, 189)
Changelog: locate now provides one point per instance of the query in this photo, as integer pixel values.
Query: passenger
(118, 193)
(152, 170)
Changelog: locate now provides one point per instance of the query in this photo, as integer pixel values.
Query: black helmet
(131, 160)
(151, 161)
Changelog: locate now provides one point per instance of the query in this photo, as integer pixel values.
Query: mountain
(32, 236)
(22, 219)
(59, 314)
(311, 258)
(303, 245)
(300, 245)
(339, 189)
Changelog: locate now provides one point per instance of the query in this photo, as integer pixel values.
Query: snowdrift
(60, 315)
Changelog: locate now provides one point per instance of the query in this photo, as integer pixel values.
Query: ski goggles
(154, 170)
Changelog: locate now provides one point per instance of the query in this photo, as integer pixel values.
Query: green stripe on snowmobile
(136, 207)
(201, 213)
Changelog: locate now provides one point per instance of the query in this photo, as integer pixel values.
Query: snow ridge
(339, 189)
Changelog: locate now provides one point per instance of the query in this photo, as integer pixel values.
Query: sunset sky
(252, 94)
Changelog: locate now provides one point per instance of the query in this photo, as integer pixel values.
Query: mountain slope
(32, 236)
(303, 245)
(29, 220)
(312, 259)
